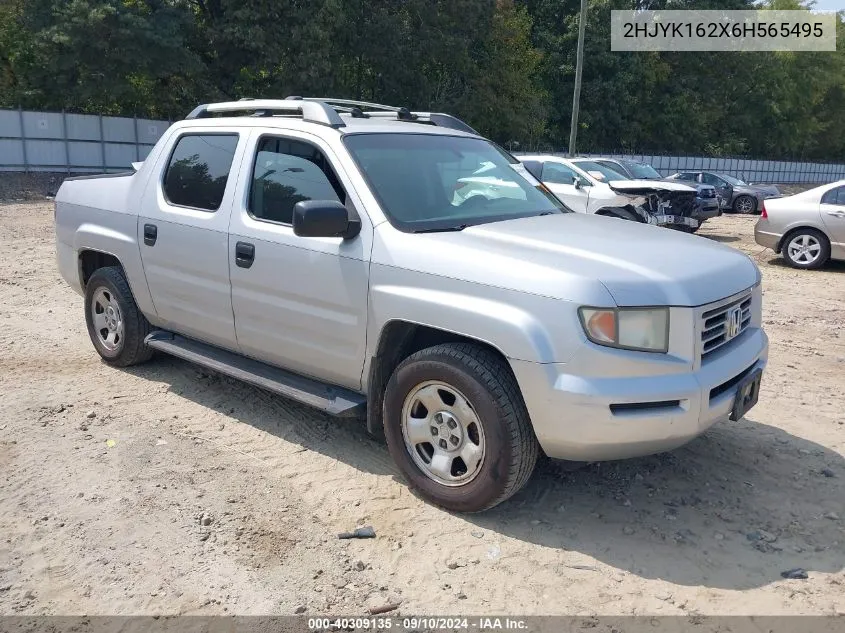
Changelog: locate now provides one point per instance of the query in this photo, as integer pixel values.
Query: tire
(816, 243)
(447, 376)
(744, 204)
(119, 332)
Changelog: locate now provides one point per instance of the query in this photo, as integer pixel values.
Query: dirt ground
(164, 489)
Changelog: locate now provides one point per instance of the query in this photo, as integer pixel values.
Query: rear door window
(199, 169)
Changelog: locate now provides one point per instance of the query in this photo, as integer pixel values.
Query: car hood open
(647, 187)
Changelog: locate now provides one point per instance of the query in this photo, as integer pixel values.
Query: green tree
(106, 56)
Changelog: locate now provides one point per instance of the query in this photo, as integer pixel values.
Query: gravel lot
(165, 489)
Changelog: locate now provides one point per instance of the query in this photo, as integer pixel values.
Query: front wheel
(457, 427)
(115, 324)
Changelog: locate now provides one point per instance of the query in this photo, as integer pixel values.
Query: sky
(830, 5)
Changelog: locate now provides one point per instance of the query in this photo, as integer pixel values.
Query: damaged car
(707, 202)
(734, 194)
(589, 187)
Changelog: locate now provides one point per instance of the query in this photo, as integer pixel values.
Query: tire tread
(500, 382)
(136, 327)
(823, 240)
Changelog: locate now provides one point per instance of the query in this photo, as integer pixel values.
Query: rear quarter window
(834, 196)
(198, 170)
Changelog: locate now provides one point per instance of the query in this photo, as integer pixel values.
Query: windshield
(592, 167)
(428, 182)
(641, 170)
(731, 180)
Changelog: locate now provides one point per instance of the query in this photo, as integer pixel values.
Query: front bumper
(673, 220)
(706, 208)
(573, 418)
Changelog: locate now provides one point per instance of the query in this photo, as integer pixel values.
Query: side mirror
(580, 183)
(324, 218)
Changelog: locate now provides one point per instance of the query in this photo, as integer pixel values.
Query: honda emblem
(734, 322)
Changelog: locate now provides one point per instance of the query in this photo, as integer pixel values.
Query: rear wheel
(115, 324)
(806, 248)
(457, 427)
(744, 204)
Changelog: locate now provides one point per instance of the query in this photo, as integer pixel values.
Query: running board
(334, 400)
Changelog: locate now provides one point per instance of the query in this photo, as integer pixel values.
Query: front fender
(520, 325)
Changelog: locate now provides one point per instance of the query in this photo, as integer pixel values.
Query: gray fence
(56, 141)
(758, 171)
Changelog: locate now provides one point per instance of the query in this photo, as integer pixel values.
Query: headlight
(644, 329)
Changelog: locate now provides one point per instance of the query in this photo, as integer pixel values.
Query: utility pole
(579, 64)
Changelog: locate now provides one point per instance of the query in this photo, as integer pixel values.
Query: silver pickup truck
(317, 248)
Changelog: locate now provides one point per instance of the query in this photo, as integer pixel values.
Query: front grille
(716, 324)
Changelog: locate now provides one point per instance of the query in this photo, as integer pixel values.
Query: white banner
(722, 31)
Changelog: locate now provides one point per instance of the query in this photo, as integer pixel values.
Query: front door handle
(150, 234)
(244, 254)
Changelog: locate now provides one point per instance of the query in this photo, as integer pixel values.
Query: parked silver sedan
(808, 228)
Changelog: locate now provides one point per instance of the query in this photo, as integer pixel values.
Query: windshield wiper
(459, 227)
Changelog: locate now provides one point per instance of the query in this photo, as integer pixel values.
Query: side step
(334, 400)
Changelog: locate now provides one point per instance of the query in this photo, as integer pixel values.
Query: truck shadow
(731, 510)
(719, 238)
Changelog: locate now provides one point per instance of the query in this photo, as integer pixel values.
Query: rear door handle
(244, 254)
(837, 214)
(150, 234)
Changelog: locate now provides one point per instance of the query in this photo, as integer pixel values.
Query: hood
(647, 187)
(557, 255)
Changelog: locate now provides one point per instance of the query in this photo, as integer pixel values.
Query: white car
(586, 186)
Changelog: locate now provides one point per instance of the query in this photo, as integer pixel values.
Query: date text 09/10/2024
(418, 623)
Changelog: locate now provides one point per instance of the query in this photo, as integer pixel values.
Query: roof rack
(313, 111)
(351, 104)
(326, 111)
(367, 109)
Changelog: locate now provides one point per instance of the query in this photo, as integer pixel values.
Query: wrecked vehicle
(586, 186)
(707, 202)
